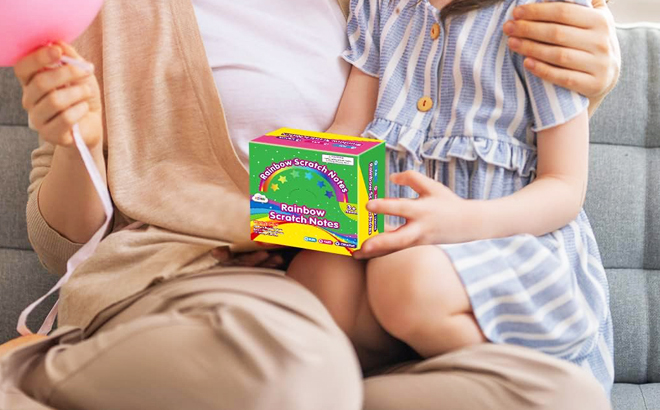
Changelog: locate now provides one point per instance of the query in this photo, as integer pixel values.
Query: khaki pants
(241, 339)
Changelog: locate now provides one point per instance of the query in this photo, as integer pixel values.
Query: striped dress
(455, 104)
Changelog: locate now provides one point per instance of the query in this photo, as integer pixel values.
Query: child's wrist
(474, 219)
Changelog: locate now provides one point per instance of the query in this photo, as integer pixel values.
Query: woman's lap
(274, 346)
(241, 340)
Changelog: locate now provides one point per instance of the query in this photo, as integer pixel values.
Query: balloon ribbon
(88, 249)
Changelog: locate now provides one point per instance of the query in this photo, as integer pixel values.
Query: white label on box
(335, 159)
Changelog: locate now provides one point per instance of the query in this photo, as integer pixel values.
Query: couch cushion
(623, 203)
(618, 204)
(11, 112)
(627, 397)
(16, 144)
(651, 394)
(635, 397)
(22, 280)
(635, 300)
(630, 114)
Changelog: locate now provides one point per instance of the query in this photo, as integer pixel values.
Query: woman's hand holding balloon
(58, 96)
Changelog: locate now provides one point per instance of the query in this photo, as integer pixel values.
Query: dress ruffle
(516, 157)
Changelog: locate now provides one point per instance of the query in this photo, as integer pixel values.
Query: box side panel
(372, 186)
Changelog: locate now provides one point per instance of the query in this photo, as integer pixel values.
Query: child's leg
(417, 297)
(340, 283)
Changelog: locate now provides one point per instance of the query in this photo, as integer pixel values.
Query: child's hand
(57, 97)
(436, 217)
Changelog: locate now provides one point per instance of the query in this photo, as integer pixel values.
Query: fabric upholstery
(651, 395)
(22, 280)
(11, 110)
(624, 200)
(623, 204)
(628, 397)
(16, 144)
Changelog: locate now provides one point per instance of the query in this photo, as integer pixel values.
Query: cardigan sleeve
(53, 249)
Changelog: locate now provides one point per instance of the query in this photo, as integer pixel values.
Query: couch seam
(647, 295)
(11, 248)
(639, 386)
(610, 144)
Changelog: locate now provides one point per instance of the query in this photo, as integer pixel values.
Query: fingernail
(518, 13)
(509, 27)
(514, 42)
(54, 53)
(530, 64)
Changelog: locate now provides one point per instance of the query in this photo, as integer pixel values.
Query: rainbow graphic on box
(309, 189)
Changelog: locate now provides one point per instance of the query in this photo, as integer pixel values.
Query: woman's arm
(569, 45)
(63, 208)
(553, 199)
(358, 104)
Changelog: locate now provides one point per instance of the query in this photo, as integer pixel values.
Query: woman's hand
(58, 96)
(436, 217)
(256, 259)
(569, 45)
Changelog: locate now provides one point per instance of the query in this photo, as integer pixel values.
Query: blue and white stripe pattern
(548, 293)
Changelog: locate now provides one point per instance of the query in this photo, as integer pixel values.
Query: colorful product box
(310, 189)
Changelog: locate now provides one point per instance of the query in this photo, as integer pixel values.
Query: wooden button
(435, 31)
(424, 104)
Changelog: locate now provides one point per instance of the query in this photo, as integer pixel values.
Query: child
(488, 169)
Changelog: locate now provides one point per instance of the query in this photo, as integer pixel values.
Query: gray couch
(623, 203)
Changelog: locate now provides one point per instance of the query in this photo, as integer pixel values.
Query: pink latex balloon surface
(26, 25)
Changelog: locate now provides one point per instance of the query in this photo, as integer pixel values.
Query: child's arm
(553, 199)
(439, 216)
(357, 105)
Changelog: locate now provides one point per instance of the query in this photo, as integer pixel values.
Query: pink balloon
(26, 25)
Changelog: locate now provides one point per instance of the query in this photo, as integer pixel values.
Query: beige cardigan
(170, 161)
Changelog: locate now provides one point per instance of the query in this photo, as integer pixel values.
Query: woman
(164, 316)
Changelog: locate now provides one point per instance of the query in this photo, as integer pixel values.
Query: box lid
(318, 141)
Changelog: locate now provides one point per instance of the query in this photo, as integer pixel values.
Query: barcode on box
(335, 159)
